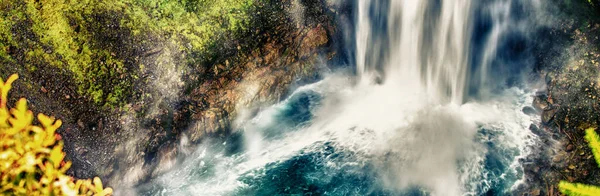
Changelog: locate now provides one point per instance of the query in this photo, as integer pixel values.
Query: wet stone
(535, 130)
(540, 103)
(529, 111)
(548, 115)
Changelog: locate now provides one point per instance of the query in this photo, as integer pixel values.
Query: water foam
(401, 124)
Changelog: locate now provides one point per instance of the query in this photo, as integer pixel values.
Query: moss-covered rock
(129, 78)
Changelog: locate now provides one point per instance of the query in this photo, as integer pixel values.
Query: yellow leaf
(31, 160)
(98, 184)
(8, 154)
(45, 120)
(5, 87)
(56, 155)
(108, 191)
(66, 167)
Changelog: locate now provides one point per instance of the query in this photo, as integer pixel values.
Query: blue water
(324, 167)
(334, 137)
(310, 172)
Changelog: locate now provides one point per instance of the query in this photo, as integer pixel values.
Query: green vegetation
(100, 42)
(31, 156)
(582, 189)
(197, 22)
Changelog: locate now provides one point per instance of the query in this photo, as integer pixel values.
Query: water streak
(402, 125)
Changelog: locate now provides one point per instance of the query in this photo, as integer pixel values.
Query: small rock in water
(535, 130)
(529, 110)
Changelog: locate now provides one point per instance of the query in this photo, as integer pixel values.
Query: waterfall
(427, 46)
(402, 125)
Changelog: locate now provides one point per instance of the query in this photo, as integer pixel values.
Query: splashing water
(401, 126)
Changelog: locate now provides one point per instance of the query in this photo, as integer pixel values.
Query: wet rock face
(261, 78)
(171, 94)
(141, 139)
(294, 42)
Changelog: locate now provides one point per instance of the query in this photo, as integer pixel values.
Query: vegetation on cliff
(31, 156)
(116, 71)
(101, 42)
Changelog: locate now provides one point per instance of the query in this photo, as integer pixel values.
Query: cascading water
(401, 126)
(425, 47)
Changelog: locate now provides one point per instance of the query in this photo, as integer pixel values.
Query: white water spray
(427, 51)
(406, 118)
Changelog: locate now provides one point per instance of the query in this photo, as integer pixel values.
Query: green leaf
(594, 142)
(572, 189)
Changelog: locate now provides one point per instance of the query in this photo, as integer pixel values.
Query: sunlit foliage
(32, 157)
(100, 42)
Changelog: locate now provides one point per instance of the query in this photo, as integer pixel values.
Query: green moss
(69, 35)
(8, 16)
(58, 44)
(193, 22)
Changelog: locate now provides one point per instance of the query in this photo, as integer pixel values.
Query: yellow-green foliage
(8, 16)
(31, 156)
(58, 44)
(69, 36)
(594, 142)
(197, 22)
(574, 189)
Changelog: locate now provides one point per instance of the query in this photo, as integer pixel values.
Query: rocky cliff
(162, 83)
(567, 59)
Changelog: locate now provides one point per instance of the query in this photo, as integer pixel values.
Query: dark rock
(548, 115)
(570, 147)
(535, 130)
(540, 103)
(529, 111)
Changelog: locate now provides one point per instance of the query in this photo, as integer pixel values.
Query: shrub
(574, 189)
(31, 156)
